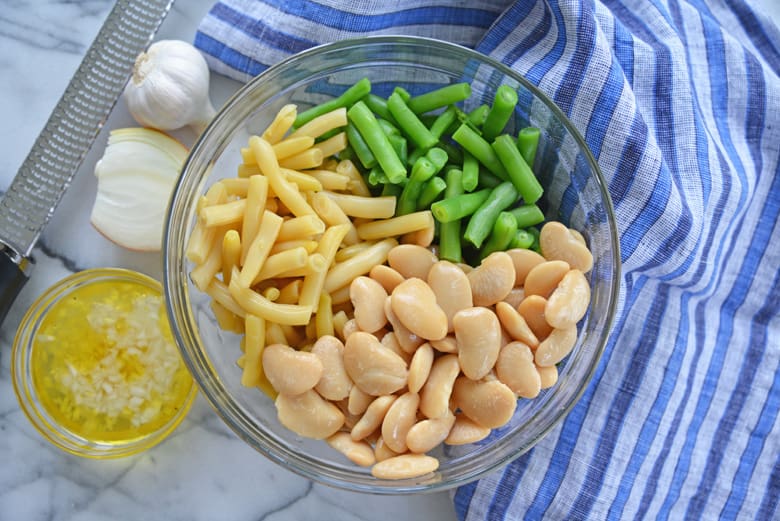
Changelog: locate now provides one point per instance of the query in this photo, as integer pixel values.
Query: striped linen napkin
(680, 103)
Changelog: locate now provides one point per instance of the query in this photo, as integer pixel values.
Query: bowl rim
(270, 448)
(21, 378)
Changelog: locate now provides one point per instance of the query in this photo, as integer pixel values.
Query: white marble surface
(203, 471)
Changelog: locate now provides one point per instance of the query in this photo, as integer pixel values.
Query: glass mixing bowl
(575, 193)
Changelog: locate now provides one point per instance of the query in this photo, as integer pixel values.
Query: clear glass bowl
(575, 193)
(57, 320)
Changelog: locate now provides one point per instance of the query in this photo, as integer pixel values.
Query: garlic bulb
(135, 177)
(169, 88)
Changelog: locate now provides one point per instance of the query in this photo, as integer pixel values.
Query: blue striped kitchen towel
(680, 103)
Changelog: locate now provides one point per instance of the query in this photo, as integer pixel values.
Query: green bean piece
(474, 144)
(409, 122)
(478, 116)
(347, 99)
(522, 239)
(443, 121)
(422, 170)
(488, 180)
(376, 177)
(533, 230)
(378, 106)
(519, 172)
(436, 99)
(391, 189)
(503, 105)
(470, 177)
(460, 206)
(527, 215)
(388, 128)
(438, 157)
(399, 144)
(403, 93)
(368, 126)
(449, 233)
(359, 146)
(504, 230)
(481, 222)
(527, 143)
(456, 156)
(431, 191)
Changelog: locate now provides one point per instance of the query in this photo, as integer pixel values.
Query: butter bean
(408, 341)
(372, 418)
(514, 324)
(386, 276)
(523, 260)
(465, 431)
(414, 303)
(382, 451)
(405, 466)
(420, 367)
(398, 420)
(556, 346)
(368, 300)
(489, 403)
(515, 368)
(373, 367)
(532, 310)
(478, 333)
(411, 260)
(358, 452)
(358, 401)
(309, 415)
(515, 297)
(334, 384)
(569, 302)
(493, 279)
(390, 341)
(289, 371)
(448, 344)
(350, 326)
(435, 394)
(428, 434)
(557, 242)
(451, 287)
(544, 278)
(548, 375)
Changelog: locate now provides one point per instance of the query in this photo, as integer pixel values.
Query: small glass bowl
(575, 194)
(37, 370)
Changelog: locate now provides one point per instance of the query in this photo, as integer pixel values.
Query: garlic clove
(169, 87)
(136, 176)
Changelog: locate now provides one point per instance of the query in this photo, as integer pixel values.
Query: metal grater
(68, 135)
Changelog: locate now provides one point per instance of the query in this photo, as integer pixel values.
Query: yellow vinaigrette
(105, 365)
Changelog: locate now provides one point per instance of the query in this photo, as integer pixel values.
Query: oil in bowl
(95, 367)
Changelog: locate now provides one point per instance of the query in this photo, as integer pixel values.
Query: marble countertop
(202, 471)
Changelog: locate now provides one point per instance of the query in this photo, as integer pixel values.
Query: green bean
(347, 99)
(399, 144)
(519, 172)
(431, 190)
(527, 215)
(504, 230)
(522, 239)
(527, 143)
(391, 189)
(422, 170)
(457, 207)
(443, 121)
(365, 121)
(438, 157)
(378, 106)
(473, 143)
(359, 146)
(441, 97)
(376, 177)
(456, 156)
(503, 105)
(470, 172)
(478, 116)
(388, 128)
(449, 232)
(488, 180)
(409, 122)
(402, 92)
(481, 222)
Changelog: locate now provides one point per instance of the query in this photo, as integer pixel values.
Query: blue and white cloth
(680, 103)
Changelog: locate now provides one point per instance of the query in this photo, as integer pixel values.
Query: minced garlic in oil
(104, 363)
